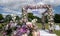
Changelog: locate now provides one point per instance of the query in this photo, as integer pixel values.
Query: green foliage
(31, 17)
(0, 26)
(8, 18)
(17, 17)
(1, 16)
(57, 18)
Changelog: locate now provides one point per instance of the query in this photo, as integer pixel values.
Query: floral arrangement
(21, 30)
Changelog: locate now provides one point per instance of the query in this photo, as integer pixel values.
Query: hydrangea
(22, 30)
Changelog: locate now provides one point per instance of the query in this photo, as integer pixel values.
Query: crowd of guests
(22, 29)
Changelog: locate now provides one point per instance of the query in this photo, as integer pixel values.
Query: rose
(29, 24)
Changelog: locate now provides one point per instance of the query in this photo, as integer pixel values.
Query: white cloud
(7, 10)
(15, 4)
(18, 4)
(12, 5)
(29, 11)
(4, 13)
(38, 15)
(13, 1)
(40, 11)
(52, 2)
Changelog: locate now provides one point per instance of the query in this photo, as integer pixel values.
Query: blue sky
(57, 9)
(15, 6)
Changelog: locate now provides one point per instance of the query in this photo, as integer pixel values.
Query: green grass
(57, 32)
(40, 26)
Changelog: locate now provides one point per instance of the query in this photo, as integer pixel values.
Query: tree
(17, 18)
(8, 18)
(31, 17)
(1, 17)
(38, 19)
(57, 18)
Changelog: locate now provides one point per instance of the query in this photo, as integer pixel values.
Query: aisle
(46, 33)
